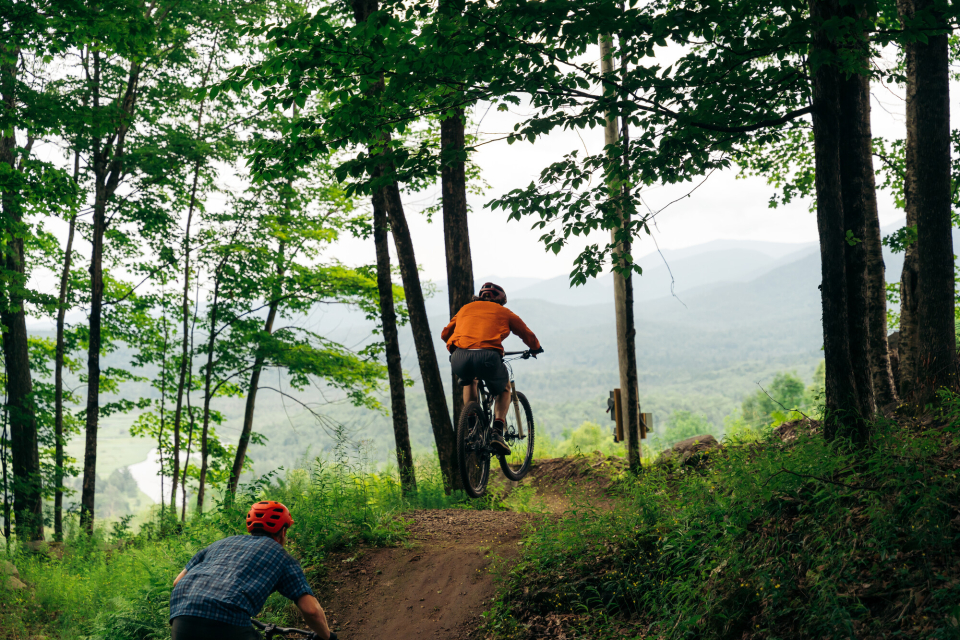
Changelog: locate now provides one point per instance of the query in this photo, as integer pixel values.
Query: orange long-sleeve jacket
(484, 325)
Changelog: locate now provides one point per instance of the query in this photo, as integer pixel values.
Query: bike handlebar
(271, 629)
(529, 353)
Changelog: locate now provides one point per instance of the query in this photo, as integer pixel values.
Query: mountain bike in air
(475, 428)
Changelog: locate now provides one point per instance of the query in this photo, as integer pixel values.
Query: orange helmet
(269, 516)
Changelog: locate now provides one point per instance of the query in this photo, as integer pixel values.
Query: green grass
(116, 585)
(767, 540)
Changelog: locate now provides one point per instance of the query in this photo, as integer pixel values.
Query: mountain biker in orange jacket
(474, 338)
(225, 584)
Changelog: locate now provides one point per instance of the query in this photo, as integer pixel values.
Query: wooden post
(618, 408)
(622, 290)
(646, 423)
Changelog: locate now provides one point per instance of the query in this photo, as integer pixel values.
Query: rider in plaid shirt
(226, 584)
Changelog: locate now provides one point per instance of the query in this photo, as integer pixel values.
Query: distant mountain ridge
(741, 314)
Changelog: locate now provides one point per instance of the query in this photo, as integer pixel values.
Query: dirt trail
(435, 586)
(438, 583)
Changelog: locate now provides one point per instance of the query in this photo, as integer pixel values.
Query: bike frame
(487, 399)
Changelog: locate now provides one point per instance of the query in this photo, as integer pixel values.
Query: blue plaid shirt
(231, 579)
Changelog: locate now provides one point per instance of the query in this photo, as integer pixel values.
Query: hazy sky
(723, 208)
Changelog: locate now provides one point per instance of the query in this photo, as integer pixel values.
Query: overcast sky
(724, 207)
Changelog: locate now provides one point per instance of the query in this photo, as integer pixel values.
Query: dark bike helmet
(493, 293)
(269, 516)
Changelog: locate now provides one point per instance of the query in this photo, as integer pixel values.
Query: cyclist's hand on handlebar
(534, 352)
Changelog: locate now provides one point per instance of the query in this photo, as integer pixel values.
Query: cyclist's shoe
(497, 439)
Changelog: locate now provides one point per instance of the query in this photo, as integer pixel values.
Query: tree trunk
(254, 384)
(185, 310)
(929, 121)
(4, 439)
(186, 464)
(88, 493)
(163, 406)
(623, 290)
(27, 487)
(207, 391)
(58, 383)
(859, 201)
(456, 234)
(398, 402)
(107, 171)
(453, 180)
(426, 355)
(186, 276)
(865, 268)
(842, 417)
(884, 389)
(907, 344)
(244, 441)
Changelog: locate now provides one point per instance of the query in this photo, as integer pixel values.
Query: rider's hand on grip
(534, 352)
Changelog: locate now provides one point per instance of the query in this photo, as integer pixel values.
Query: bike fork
(516, 410)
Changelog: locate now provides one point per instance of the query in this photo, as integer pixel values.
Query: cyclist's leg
(503, 404)
(463, 365)
(470, 393)
(497, 379)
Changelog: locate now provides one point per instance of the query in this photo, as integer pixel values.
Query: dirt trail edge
(435, 586)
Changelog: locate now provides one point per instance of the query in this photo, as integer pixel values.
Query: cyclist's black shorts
(485, 364)
(194, 628)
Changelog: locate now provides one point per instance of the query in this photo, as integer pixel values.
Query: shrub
(807, 540)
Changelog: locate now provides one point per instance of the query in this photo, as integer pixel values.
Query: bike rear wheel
(473, 455)
(516, 465)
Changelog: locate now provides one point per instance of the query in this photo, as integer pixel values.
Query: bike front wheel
(516, 465)
(473, 454)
